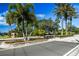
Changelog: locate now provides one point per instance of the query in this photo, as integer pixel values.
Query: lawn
(27, 41)
(4, 37)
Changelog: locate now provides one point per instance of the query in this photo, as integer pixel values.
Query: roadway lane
(54, 48)
(0, 42)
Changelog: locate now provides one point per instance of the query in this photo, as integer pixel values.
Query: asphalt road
(54, 48)
(0, 42)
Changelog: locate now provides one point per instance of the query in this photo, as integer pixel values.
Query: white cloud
(76, 8)
(2, 18)
(40, 15)
(46, 16)
(4, 13)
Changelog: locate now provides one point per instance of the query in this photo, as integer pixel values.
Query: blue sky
(42, 10)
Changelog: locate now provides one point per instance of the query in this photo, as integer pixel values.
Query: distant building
(13, 35)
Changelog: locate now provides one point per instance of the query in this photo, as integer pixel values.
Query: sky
(42, 10)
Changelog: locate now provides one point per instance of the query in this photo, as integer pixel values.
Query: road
(54, 48)
(0, 42)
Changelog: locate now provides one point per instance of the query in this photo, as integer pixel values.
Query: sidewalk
(66, 39)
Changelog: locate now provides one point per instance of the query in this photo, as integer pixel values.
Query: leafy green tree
(24, 14)
(56, 26)
(69, 12)
(45, 24)
(59, 14)
(66, 11)
(10, 20)
(72, 14)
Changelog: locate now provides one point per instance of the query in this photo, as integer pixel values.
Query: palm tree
(9, 19)
(24, 14)
(59, 13)
(69, 12)
(66, 11)
(72, 14)
(56, 25)
(65, 14)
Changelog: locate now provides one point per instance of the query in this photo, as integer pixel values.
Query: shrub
(38, 32)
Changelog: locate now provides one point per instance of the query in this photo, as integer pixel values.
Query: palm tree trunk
(62, 27)
(10, 30)
(23, 29)
(26, 29)
(66, 27)
(71, 24)
(18, 28)
(24, 34)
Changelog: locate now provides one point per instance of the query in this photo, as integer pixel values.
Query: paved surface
(0, 42)
(54, 48)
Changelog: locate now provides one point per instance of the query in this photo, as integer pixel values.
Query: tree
(72, 14)
(56, 26)
(66, 11)
(58, 11)
(9, 20)
(45, 24)
(24, 14)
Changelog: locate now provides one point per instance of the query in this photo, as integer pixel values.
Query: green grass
(27, 41)
(4, 37)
